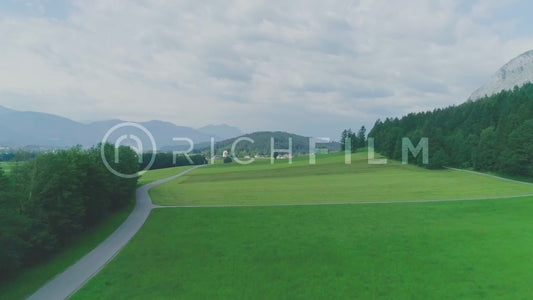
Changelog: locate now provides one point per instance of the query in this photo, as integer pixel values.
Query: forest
(46, 201)
(168, 160)
(356, 140)
(492, 134)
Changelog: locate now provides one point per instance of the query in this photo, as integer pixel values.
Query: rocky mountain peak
(516, 72)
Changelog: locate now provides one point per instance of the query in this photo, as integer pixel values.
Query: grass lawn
(330, 180)
(446, 250)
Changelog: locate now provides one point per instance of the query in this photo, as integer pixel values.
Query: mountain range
(222, 131)
(23, 128)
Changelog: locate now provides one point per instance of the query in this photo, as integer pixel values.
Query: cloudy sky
(309, 67)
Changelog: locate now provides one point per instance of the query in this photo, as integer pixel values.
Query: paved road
(68, 282)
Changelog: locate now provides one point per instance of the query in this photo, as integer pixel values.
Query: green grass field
(438, 250)
(330, 180)
(445, 250)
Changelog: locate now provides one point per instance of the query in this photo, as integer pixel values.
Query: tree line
(262, 144)
(47, 201)
(168, 160)
(356, 140)
(490, 134)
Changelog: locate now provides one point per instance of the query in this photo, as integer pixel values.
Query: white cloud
(313, 67)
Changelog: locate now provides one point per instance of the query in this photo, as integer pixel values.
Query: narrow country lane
(68, 282)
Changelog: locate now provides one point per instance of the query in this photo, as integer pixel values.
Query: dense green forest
(491, 134)
(7, 156)
(166, 160)
(261, 145)
(46, 201)
(19, 155)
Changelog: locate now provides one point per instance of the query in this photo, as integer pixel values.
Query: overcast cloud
(310, 67)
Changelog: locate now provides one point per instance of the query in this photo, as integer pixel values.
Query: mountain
(515, 73)
(222, 131)
(261, 145)
(23, 128)
(4, 110)
(164, 132)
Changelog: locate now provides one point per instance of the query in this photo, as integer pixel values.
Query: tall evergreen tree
(361, 137)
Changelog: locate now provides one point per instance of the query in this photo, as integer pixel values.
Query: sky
(308, 67)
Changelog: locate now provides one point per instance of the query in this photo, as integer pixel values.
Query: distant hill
(23, 128)
(516, 72)
(262, 144)
(222, 131)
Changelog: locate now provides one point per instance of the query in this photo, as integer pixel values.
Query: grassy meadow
(329, 181)
(434, 250)
(444, 250)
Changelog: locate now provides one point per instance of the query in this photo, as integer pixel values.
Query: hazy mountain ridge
(223, 131)
(516, 72)
(23, 128)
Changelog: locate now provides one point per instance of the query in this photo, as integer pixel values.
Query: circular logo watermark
(138, 149)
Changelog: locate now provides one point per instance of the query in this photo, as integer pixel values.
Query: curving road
(68, 282)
